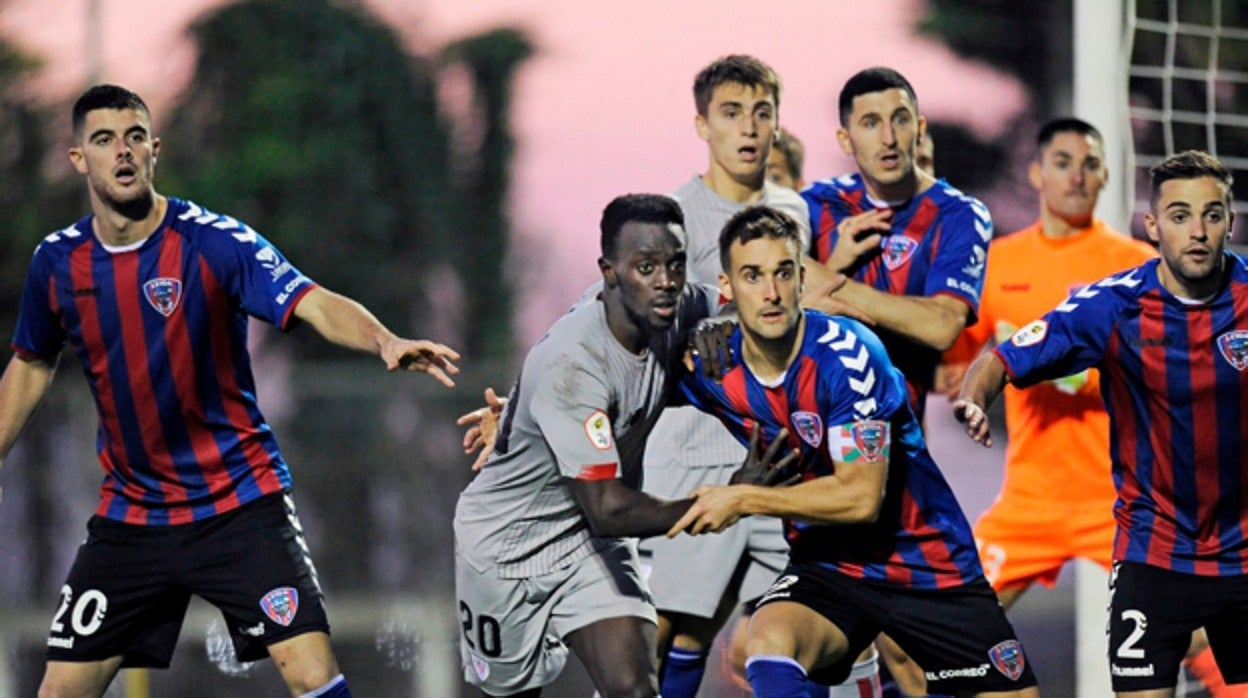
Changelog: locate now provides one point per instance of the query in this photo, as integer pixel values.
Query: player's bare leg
(906, 674)
(306, 662)
(78, 679)
(619, 655)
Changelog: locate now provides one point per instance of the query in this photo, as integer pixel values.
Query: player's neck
(118, 226)
(626, 330)
(1059, 228)
(769, 359)
(1193, 291)
(741, 191)
(898, 193)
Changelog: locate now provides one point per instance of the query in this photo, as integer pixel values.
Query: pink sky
(602, 109)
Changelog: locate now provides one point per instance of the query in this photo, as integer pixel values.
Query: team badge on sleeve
(1234, 348)
(598, 429)
(809, 426)
(1008, 658)
(1032, 333)
(163, 294)
(281, 605)
(866, 440)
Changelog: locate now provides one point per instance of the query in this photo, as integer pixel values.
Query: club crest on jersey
(1234, 348)
(1008, 658)
(163, 294)
(480, 666)
(898, 249)
(809, 426)
(598, 429)
(281, 605)
(870, 436)
(1032, 333)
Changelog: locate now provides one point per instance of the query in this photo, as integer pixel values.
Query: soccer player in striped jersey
(898, 246)
(1170, 339)
(153, 294)
(878, 541)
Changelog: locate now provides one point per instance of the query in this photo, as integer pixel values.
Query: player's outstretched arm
(482, 427)
(612, 508)
(22, 388)
(347, 323)
(985, 379)
(934, 321)
(853, 494)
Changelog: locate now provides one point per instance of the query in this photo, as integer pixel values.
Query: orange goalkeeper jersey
(1058, 432)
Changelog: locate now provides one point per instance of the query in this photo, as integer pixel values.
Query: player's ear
(78, 159)
(609, 277)
(725, 287)
(842, 137)
(703, 129)
(1033, 175)
(1150, 227)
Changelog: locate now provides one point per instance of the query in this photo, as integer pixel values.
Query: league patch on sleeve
(598, 429)
(1032, 333)
(866, 440)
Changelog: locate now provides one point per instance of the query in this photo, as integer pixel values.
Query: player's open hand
(764, 469)
(714, 508)
(858, 236)
(709, 341)
(482, 426)
(422, 355)
(975, 419)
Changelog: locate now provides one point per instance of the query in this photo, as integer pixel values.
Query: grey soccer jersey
(581, 408)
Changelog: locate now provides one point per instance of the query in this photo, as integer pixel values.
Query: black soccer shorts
(959, 636)
(129, 586)
(1153, 612)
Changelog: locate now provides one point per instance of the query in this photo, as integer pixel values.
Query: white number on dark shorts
(87, 614)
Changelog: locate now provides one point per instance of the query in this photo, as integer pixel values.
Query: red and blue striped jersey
(842, 375)
(1174, 378)
(161, 331)
(938, 244)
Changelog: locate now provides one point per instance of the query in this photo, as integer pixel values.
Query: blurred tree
(492, 59)
(1029, 39)
(326, 135)
(32, 205)
(312, 123)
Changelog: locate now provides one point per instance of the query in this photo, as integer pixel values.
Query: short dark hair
(870, 80)
(105, 97)
(1066, 124)
(735, 68)
(793, 150)
(636, 208)
(754, 222)
(1189, 164)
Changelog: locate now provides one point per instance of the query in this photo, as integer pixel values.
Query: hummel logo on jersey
(860, 382)
(252, 630)
(163, 294)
